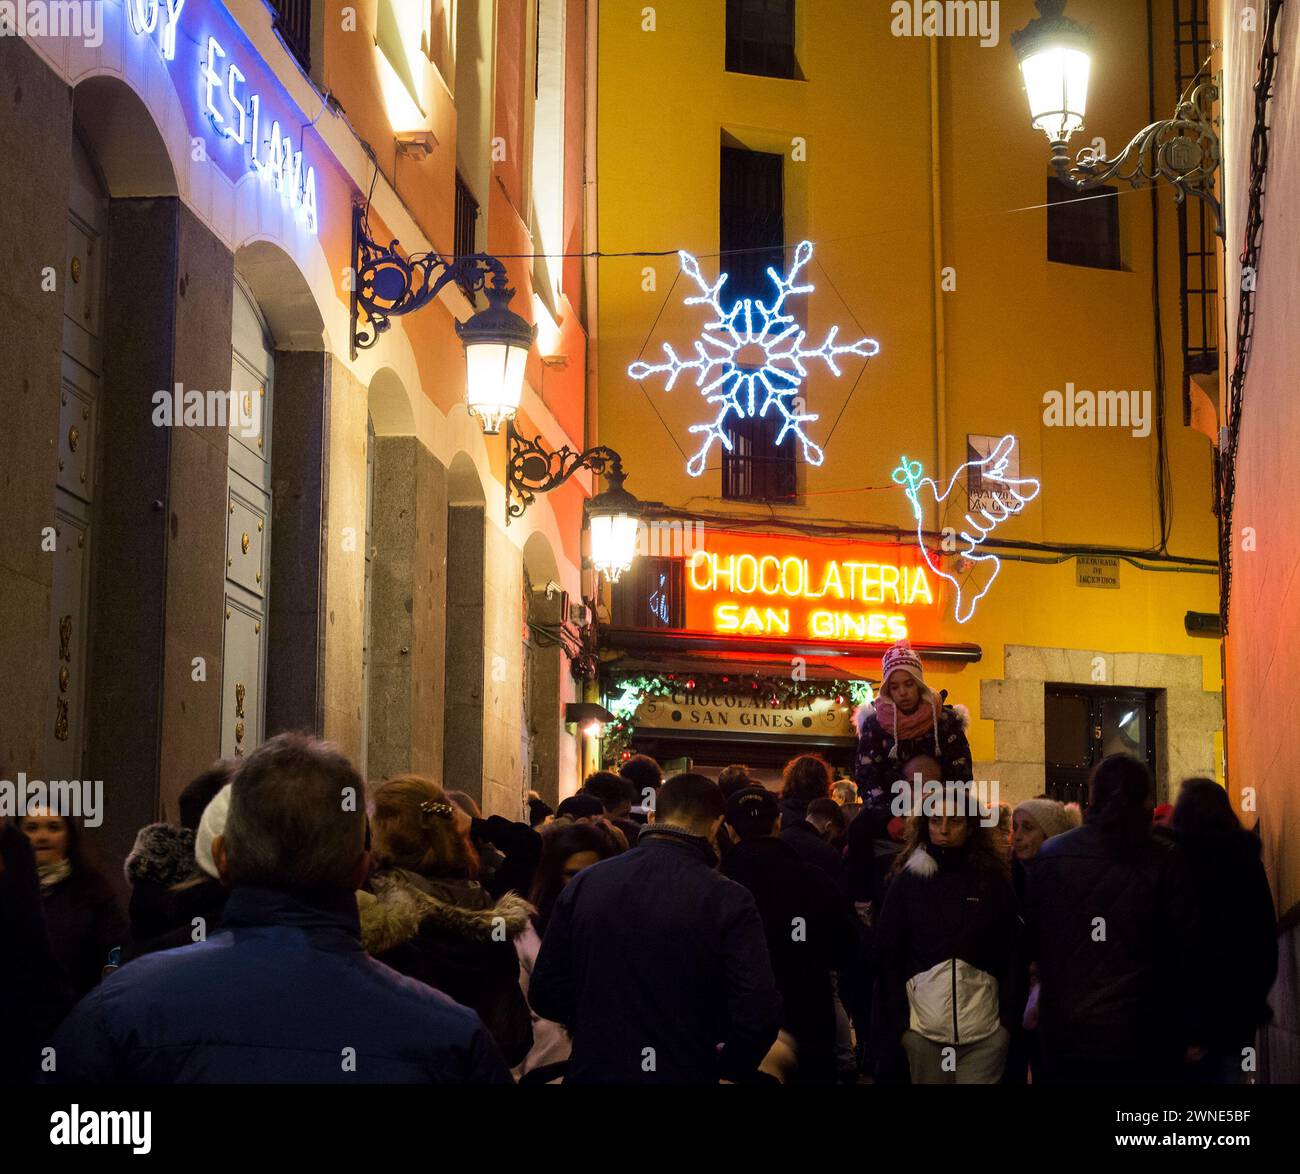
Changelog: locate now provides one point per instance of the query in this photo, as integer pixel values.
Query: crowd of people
(298, 926)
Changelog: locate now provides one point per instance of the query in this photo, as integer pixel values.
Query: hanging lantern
(1055, 62)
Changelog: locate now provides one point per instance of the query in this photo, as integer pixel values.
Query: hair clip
(436, 808)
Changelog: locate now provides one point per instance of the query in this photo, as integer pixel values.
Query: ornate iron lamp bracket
(386, 285)
(532, 469)
(1183, 150)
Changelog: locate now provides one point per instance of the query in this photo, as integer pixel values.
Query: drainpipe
(589, 748)
(590, 233)
(940, 372)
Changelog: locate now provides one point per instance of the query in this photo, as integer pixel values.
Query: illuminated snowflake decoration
(751, 359)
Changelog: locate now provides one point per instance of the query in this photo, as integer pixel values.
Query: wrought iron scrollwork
(386, 284)
(532, 469)
(1184, 150)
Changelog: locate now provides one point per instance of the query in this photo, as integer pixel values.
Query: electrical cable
(1250, 262)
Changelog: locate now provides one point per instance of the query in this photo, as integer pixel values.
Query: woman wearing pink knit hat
(907, 720)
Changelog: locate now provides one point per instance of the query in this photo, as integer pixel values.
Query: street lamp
(612, 516)
(1055, 55)
(1055, 61)
(387, 285)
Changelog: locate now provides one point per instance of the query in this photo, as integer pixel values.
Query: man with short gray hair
(283, 992)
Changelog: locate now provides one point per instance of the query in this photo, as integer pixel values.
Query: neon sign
(747, 586)
(754, 359)
(146, 15)
(994, 468)
(234, 111)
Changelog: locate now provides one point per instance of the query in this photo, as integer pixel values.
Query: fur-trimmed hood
(402, 902)
(867, 710)
(921, 863)
(162, 855)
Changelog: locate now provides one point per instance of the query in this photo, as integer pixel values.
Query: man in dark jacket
(651, 959)
(808, 839)
(284, 992)
(1113, 930)
(810, 927)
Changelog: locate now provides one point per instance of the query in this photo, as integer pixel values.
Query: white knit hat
(212, 825)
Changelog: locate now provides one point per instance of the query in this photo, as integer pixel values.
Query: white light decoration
(775, 341)
(992, 468)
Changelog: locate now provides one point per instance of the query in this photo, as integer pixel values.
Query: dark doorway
(1083, 725)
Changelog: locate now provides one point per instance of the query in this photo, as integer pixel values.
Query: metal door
(248, 528)
(81, 371)
(1084, 725)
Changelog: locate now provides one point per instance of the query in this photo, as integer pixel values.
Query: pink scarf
(909, 725)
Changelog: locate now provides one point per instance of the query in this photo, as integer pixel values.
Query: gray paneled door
(74, 495)
(248, 529)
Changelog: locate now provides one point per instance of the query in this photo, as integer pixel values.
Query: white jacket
(953, 1003)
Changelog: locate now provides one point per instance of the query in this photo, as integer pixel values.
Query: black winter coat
(450, 935)
(811, 930)
(651, 959)
(1123, 1005)
(877, 772)
(804, 839)
(34, 991)
(85, 924)
(1239, 942)
(933, 914)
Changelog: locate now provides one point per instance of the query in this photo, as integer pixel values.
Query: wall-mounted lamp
(588, 716)
(1055, 55)
(612, 516)
(387, 285)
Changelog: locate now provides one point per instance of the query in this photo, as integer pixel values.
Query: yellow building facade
(909, 163)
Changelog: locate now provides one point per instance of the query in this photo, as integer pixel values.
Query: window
(651, 594)
(1084, 725)
(293, 22)
(752, 221)
(464, 229)
(760, 37)
(757, 469)
(1082, 227)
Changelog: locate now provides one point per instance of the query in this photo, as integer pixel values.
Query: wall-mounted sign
(226, 100)
(737, 713)
(1096, 572)
(804, 589)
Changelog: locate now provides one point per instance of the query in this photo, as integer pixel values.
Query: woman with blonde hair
(427, 916)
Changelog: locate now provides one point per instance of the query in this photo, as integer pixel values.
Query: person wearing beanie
(907, 720)
(193, 903)
(162, 859)
(1033, 823)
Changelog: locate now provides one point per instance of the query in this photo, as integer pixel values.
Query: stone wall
(1187, 717)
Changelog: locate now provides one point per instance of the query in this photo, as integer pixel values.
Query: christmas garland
(778, 692)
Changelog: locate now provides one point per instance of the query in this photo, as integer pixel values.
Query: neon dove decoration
(993, 468)
(746, 390)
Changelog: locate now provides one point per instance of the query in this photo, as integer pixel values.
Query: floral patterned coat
(876, 772)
